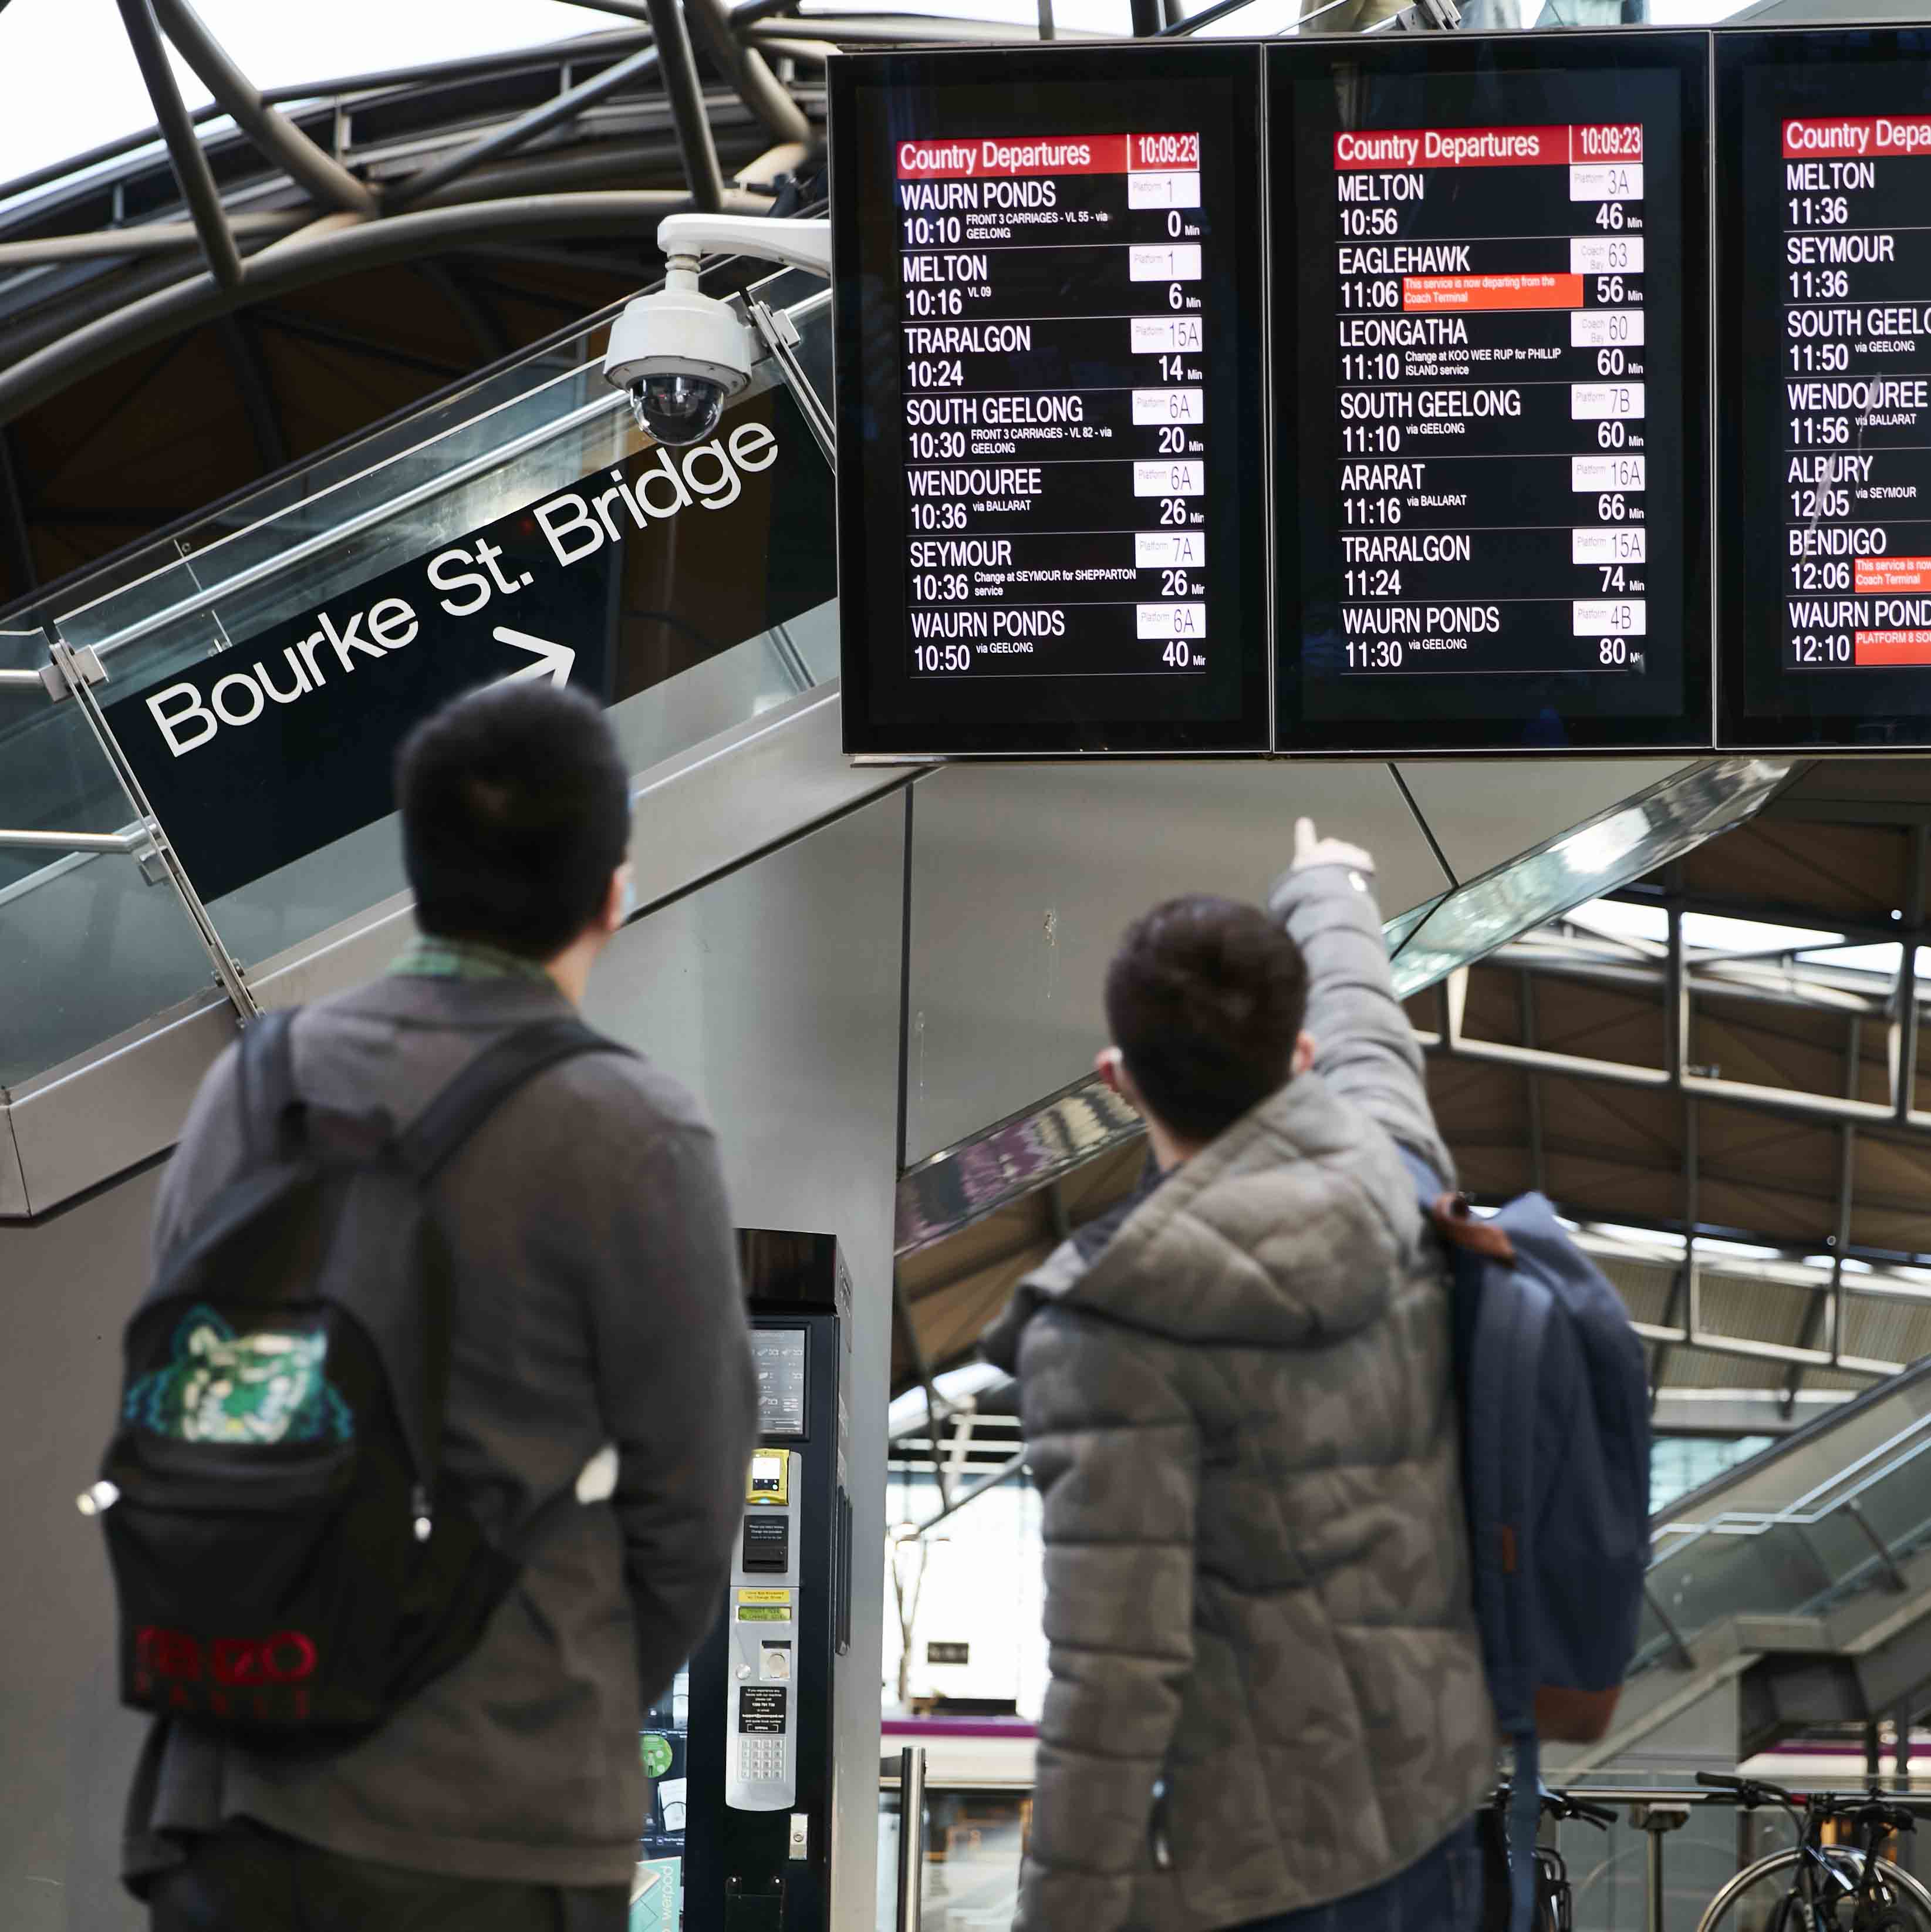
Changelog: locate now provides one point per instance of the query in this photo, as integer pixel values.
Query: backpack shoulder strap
(269, 1095)
(487, 1082)
(1448, 1214)
(1428, 1182)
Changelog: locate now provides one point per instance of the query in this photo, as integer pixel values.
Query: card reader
(761, 1705)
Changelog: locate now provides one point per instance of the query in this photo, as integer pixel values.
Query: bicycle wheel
(1755, 1901)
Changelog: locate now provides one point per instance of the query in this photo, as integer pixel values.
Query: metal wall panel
(774, 994)
(1023, 877)
(1484, 812)
(119, 1105)
(66, 1286)
(12, 1182)
(740, 792)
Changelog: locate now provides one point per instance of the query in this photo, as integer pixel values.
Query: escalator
(1793, 1593)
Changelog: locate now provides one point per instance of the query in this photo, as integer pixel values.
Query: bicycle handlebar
(1751, 1792)
(1893, 1817)
(1594, 1814)
(1564, 1806)
(1898, 1814)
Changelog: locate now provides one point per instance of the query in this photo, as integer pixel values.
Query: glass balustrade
(1622, 844)
(88, 947)
(972, 1842)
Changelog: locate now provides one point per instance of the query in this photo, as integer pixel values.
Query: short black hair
(1206, 997)
(515, 805)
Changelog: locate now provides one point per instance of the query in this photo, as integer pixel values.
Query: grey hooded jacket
(1266, 1688)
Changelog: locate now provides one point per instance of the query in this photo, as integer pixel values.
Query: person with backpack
(1267, 1706)
(437, 1417)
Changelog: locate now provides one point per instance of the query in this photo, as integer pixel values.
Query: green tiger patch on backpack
(266, 1386)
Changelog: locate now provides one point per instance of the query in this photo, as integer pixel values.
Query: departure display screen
(1051, 437)
(1824, 220)
(1490, 337)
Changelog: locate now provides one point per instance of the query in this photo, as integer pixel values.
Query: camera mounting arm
(686, 239)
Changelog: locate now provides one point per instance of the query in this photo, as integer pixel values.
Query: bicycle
(1554, 1898)
(1815, 1887)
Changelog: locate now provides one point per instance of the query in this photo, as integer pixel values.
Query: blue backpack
(1555, 1441)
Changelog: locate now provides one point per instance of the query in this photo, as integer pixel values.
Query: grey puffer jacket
(1239, 1415)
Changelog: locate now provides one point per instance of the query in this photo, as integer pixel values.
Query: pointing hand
(1310, 849)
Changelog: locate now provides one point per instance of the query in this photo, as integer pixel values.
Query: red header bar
(1488, 147)
(980, 157)
(1857, 138)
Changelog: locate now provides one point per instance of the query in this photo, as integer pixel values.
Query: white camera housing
(678, 330)
(682, 355)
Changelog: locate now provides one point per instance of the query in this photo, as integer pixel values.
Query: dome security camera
(680, 354)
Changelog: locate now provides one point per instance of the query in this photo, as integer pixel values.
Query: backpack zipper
(1157, 1838)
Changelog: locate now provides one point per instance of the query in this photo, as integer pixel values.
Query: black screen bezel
(1739, 727)
(1233, 63)
(1691, 728)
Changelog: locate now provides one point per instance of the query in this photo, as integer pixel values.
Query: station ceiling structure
(1718, 1072)
(243, 286)
(1715, 1072)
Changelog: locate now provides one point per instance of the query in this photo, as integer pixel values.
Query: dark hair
(515, 812)
(1206, 997)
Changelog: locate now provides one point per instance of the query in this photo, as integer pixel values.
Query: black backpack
(290, 1560)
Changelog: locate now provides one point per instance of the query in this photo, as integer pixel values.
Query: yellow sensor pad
(770, 1479)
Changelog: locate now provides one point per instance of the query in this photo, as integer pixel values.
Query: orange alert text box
(1490, 292)
(1892, 647)
(1894, 573)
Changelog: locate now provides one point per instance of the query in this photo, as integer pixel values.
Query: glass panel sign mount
(1049, 388)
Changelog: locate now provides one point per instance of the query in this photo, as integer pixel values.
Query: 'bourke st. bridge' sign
(285, 741)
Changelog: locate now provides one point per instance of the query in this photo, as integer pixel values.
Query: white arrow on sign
(553, 662)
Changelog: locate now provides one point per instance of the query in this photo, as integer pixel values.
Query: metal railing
(1655, 1812)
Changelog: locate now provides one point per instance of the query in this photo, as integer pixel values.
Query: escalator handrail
(1797, 1440)
(1801, 1510)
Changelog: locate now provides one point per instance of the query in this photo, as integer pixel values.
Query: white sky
(68, 81)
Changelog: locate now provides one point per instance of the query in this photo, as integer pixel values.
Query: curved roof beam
(296, 264)
(152, 238)
(565, 107)
(273, 132)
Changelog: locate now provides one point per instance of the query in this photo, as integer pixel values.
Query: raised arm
(1364, 1046)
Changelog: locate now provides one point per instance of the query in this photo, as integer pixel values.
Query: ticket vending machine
(740, 1751)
